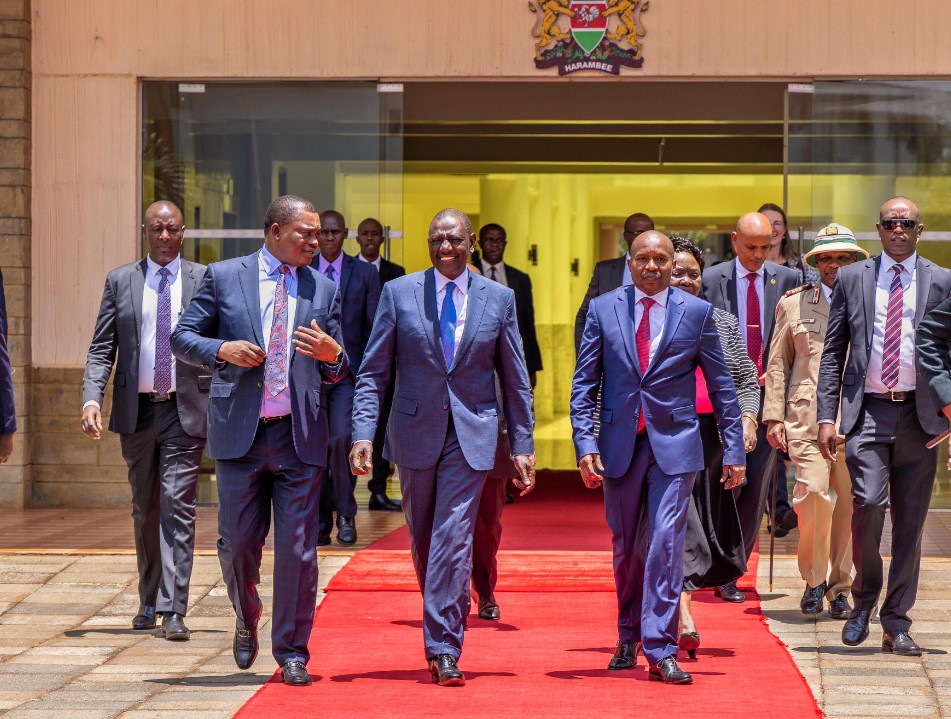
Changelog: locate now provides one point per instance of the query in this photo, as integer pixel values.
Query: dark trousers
(648, 583)
(781, 492)
(271, 476)
(487, 537)
(751, 497)
(890, 469)
(440, 504)
(381, 465)
(163, 465)
(337, 489)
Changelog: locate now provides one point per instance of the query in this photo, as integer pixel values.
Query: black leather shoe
(174, 629)
(729, 593)
(323, 539)
(489, 609)
(900, 643)
(245, 647)
(145, 619)
(787, 523)
(445, 672)
(509, 499)
(813, 599)
(346, 531)
(382, 503)
(839, 608)
(667, 671)
(625, 656)
(855, 630)
(295, 674)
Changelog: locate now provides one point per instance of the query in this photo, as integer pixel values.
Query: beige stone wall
(15, 259)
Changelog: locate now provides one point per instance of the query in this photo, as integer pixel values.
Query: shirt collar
(827, 291)
(269, 263)
(660, 298)
(322, 264)
(173, 267)
(908, 263)
(462, 281)
(486, 266)
(376, 263)
(742, 272)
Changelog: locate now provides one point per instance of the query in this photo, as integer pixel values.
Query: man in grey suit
(159, 410)
(359, 287)
(450, 332)
(749, 287)
(267, 420)
(609, 275)
(888, 415)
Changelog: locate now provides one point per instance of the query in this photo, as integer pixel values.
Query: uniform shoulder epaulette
(797, 290)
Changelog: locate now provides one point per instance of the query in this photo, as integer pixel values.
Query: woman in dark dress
(713, 550)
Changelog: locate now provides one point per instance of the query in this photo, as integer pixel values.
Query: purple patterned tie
(163, 333)
(891, 350)
(330, 273)
(275, 371)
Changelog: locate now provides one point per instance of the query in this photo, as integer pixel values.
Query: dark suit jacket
(389, 270)
(115, 341)
(666, 393)
(719, 289)
(227, 306)
(407, 328)
(608, 276)
(8, 413)
(359, 296)
(521, 284)
(933, 342)
(849, 337)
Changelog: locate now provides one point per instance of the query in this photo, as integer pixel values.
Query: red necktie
(754, 334)
(643, 342)
(891, 350)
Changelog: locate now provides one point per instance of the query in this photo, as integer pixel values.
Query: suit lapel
(728, 288)
(428, 316)
(475, 308)
(618, 269)
(675, 313)
(189, 283)
(869, 280)
(770, 300)
(924, 288)
(624, 308)
(306, 287)
(251, 289)
(346, 269)
(137, 288)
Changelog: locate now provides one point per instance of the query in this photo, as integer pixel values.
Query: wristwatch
(337, 358)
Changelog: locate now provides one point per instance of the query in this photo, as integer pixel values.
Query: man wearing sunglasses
(887, 416)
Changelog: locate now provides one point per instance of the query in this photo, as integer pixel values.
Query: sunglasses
(891, 224)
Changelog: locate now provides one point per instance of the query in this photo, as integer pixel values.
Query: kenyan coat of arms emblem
(600, 35)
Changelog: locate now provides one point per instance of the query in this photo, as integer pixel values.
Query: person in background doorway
(8, 412)
(370, 239)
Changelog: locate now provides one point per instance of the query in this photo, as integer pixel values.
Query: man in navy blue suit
(450, 332)
(644, 343)
(267, 420)
(8, 414)
(359, 285)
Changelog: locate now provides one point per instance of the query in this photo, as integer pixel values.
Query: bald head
(164, 207)
(164, 231)
(899, 228)
(751, 240)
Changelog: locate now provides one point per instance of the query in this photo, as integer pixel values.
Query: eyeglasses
(634, 234)
(890, 224)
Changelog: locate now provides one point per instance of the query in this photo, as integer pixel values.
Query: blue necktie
(163, 332)
(447, 324)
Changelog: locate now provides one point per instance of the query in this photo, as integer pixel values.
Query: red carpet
(547, 656)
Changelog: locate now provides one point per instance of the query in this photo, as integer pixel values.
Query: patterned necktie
(330, 273)
(754, 333)
(891, 350)
(275, 369)
(492, 273)
(643, 342)
(163, 333)
(447, 324)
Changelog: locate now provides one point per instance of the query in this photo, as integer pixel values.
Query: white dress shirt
(906, 358)
(499, 272)
(375, 263)
(150, 315)
(742, 287)
(337, 265)
(827, 291)
(267, 277)
(460, 297)
(657, 317)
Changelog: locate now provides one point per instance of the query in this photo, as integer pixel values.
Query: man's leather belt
(273, 420)
(892, 396)
(154, 397)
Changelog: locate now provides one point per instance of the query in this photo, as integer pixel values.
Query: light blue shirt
(267, 277)
(337, 264)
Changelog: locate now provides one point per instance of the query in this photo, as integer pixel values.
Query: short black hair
(457, 214)
(682, 244)
(492, 226)
(284, 209)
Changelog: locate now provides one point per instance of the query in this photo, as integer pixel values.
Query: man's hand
(6, 447)
(733, 475)
(749, 434)
(361, 457)
(777, 436)
(827, 441)
(313, 342)
(241, 353)
(590, 466)
(525, 464)
(92, 422)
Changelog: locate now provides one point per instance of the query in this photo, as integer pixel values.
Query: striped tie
(891, 350)
(643, 341)
(754, 333)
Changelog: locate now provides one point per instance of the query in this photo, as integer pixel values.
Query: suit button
(260, 384)
(445, 405)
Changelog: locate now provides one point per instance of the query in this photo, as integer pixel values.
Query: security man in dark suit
(159, 410)
(888, 415)
(370, 238)
(359, 295)
(8, 413)
(609, 275)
